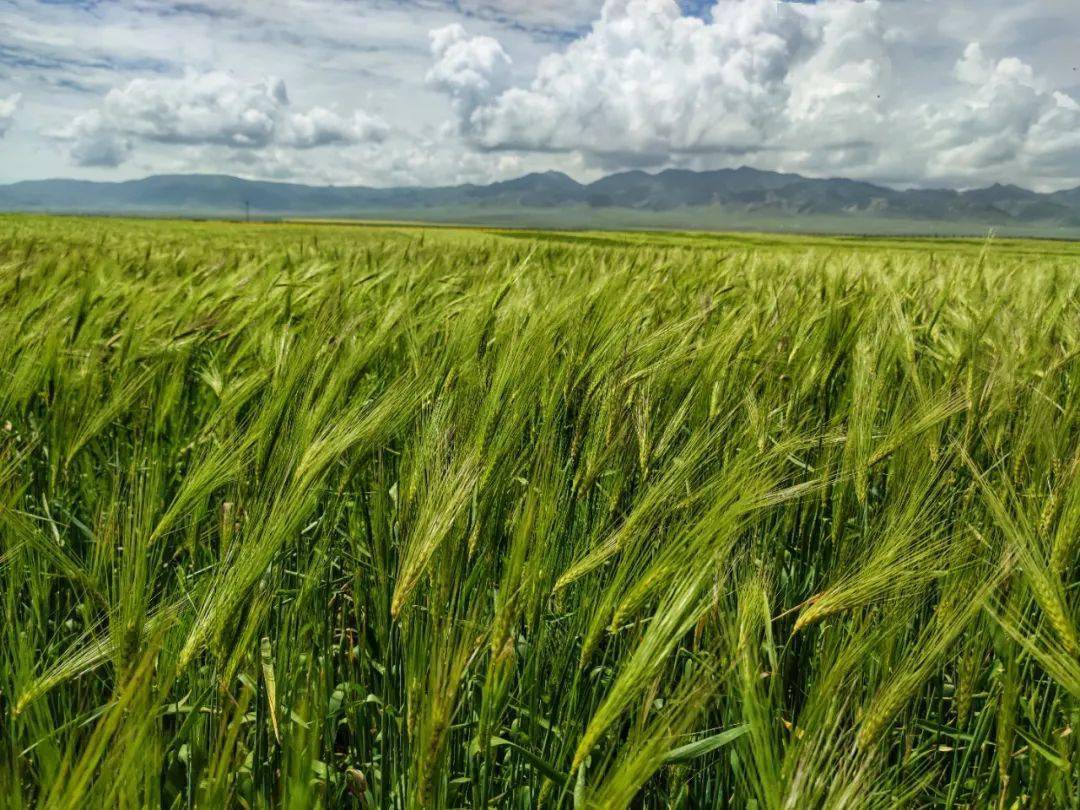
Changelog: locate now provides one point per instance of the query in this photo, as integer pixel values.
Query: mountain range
(727, 198)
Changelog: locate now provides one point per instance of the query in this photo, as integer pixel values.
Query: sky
(907, 93)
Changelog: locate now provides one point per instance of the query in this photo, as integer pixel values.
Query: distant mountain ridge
(712, 198)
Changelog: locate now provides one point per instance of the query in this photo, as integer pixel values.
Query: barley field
(323, 515)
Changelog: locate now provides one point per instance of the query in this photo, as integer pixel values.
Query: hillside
(671, 198)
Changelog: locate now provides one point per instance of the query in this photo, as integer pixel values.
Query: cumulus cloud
(842, 90)
(647, 79)
(834, 87)
(472, 71)
(783, 85)
(1007, 118)
(8, 106)
(322, 127)
(214, 108)
(95, 143)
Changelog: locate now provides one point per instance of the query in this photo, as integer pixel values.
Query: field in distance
(380, 515)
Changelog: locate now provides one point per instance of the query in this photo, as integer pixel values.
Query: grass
(317, 515)
(698, 218)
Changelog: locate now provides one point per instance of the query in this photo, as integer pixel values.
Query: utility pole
(247, 210)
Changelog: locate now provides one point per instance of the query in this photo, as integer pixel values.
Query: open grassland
(395, 517)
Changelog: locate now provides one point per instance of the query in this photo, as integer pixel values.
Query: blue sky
(401, 92)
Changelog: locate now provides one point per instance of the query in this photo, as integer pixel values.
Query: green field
(705, 218)
(386, 516)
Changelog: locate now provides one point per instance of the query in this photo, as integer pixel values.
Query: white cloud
(1004, 121)
(648, 80)
(322, 127)
(8, 106)
(472, 71)
(95, 143)
(883, 90)
(808, 87)
(842, 91)
(207, 108)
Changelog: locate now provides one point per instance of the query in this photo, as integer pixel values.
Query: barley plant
(338, 516)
